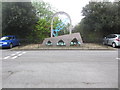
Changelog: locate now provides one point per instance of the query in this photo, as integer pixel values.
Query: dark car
(9, 41)
(112, 39)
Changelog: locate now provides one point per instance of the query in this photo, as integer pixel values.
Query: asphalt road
(0, 69)
(60, 69)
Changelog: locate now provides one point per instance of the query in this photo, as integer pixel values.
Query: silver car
(112, 39)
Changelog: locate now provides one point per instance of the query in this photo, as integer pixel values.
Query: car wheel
(113, 45)
(19, 44)
(103, 43)
(11, 45)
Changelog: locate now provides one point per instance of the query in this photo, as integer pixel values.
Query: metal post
(52, 28)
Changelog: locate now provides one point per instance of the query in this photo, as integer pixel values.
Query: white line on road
(14, 57)
(24, 52)
(13, 54)
(118, 58)
(21, 53)
(18, 52)
(6, 57)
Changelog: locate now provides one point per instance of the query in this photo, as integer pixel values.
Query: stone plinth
(66, 38)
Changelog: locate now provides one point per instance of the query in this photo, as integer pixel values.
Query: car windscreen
(5, 38)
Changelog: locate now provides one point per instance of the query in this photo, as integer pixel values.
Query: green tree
(43, 9)
(0, 18)
(18, 18)
(45, 12)
(41, 31)
(100, 19)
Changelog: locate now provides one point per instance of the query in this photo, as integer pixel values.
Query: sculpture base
(64, 40)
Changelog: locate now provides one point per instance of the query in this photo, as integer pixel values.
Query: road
(60, 69)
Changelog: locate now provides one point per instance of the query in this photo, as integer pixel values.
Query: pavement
(60, 69)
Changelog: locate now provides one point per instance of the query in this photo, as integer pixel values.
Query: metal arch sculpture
(61, 12)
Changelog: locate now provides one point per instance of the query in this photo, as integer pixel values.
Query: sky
(72, 7)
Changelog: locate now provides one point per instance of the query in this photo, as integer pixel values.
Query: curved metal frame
(61, 12)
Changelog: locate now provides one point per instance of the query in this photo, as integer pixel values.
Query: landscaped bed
(85, 46)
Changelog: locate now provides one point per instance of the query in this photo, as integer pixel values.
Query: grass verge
(85, 46)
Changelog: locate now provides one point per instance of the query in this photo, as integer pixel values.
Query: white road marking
(118, 58)
(6, 57)
(24, 52)
(18, 52)
(14, 56)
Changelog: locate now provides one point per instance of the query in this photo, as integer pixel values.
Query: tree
(27, 20)
(41, 31)
(43, 9)
(0, 18)
(18, 18)
(44, 12)
(100, 19)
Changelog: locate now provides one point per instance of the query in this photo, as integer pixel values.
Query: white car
(112, 39)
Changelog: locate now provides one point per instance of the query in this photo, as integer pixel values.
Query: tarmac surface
(60, 69)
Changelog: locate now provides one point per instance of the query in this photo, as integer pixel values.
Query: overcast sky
(72, 7)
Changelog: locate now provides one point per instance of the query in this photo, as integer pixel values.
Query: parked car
(9, 41)
(112, 39)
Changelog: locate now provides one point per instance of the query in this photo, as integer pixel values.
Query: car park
(9, 41)
(112, 39)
